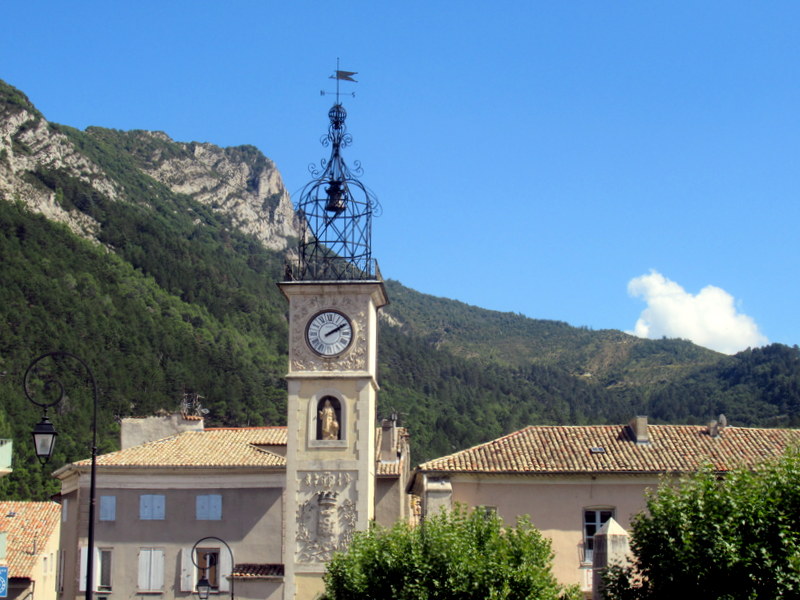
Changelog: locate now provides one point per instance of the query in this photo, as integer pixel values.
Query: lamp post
(203, 586)
(44, 434)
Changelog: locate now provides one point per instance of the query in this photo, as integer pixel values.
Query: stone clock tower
(334, 291)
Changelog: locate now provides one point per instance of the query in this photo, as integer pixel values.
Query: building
(571, 480)
(156, 500)
(29, 546)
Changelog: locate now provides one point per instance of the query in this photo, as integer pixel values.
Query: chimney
(389, 440)
(639, 429)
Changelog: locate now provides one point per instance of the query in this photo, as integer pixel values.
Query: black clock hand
(335, 329)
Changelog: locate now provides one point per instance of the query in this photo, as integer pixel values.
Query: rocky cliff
(239, 182)
(28, 142)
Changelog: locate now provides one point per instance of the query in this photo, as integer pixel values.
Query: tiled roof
(223, 447)
(255, 571)
(28, 527)
(215, 447)
(612, 449)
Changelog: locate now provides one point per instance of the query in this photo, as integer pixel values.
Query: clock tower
(334, 291)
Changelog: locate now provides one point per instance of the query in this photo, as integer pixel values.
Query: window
(108, 508)
(593, 520)
(207, 563)
(104, 570)
(209, 507)
(64, 509)
(151, 507)
(217, 563)
(101, 569)
(151, 569)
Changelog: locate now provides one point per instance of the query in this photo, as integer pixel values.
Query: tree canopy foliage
(730, 537)
(458, 555)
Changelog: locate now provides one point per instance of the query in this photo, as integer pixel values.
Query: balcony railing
(332, 269)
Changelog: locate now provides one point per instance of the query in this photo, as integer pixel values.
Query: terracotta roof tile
(28, 527)
(256, 571)
(613, 449)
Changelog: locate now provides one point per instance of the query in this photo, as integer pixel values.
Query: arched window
(329, 418)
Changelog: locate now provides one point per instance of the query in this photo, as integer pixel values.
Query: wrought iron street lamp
(44, 439)
(203, 586)
(44, 374)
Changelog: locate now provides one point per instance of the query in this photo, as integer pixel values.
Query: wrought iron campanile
(336, 211)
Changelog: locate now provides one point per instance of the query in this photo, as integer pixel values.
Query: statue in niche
(329, 426)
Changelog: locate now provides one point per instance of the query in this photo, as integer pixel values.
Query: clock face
(329, 333)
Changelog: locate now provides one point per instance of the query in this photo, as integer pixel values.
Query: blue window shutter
(108, 508)
(208, 507)
(158, 507)
(152, 507)
(202, 507)
(145, 507)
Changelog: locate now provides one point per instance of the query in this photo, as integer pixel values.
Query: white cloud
(708, 319)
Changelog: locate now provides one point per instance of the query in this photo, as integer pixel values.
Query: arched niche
(327, 419)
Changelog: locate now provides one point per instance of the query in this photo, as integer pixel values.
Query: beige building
(571, 480)
(29, 545)
(156, 500)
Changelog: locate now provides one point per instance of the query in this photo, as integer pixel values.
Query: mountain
(156, 262)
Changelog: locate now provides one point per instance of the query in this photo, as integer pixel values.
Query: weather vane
(340, 76)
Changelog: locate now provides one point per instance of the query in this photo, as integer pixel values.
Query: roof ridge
(254, 427)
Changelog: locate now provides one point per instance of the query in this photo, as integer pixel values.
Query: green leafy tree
(730, 537)
(453, 555)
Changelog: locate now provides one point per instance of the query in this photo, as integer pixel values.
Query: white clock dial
(329, 333)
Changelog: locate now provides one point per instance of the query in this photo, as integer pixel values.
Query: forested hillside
(130, 251)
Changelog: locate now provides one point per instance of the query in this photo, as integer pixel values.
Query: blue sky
(625, 165)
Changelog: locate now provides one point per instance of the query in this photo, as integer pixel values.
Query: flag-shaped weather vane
(340, 76)
(344, 76)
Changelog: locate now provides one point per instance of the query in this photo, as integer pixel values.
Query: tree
(453, 555)
(728, 537)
